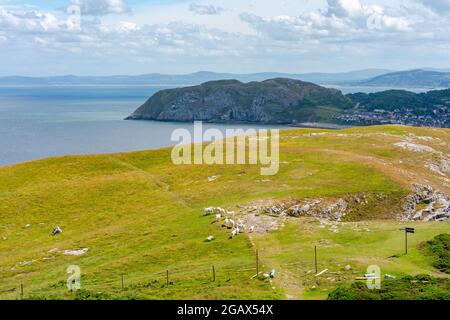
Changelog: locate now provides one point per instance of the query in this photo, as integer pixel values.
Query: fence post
(257, 262)
(122, 282)
(315, 258)
(167, 278)
(21, 291)
(214, 273)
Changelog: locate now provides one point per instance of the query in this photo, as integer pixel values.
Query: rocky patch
(414, 147)
(329, 209)
(426, 204)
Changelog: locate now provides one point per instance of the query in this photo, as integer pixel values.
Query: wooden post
(315, 259)
(406, 241)
(214, 274)
(167, 278)
(21, 291)
(257, 262)
(122, 282)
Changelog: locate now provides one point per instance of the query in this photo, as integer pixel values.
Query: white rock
(414, 147)
(76, 252)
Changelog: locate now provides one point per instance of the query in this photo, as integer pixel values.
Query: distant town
(439, 117)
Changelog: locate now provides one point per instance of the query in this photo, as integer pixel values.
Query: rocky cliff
(275, 101)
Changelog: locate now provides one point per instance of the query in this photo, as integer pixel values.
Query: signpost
(407, 230)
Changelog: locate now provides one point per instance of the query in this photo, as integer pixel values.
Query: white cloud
(31, 21)
(169, 38)
(344, 8)
(102, 7)
(343, 20)
(205, 10)
(438, 6)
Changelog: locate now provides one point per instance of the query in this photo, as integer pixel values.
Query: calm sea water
(38, 122)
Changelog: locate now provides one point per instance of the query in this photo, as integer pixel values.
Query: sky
(109, 37)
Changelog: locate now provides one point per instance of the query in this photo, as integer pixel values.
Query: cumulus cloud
(438, 6)
(32, 21)
(344, 8)
(342, 19)
(205, 9)
(341, 29)
(101, 7)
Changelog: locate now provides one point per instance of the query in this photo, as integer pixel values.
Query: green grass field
(140, 216)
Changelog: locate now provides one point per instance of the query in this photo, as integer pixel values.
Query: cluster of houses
(439, 117)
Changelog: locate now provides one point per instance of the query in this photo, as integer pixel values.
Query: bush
(421, 287)
(439, 249)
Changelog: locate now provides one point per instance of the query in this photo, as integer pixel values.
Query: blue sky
(240, 36)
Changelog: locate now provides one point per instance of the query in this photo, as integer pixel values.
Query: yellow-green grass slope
(140, 215)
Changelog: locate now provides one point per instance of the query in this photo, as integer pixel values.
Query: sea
(40, 122)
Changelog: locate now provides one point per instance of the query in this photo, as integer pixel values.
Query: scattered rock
(348, 268)
(27, 226)
(441, 167)
(210, 238)
(426, 205)
(334, 228)
(56, 230)
(76, 252)
(335, 211)
(272, 274)
(213, 178)
(48, 258)
(415, 147)
(388, 276)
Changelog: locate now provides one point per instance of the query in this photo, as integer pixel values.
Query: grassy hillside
(140, 215)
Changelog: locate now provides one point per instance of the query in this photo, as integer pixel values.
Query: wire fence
(199, 275)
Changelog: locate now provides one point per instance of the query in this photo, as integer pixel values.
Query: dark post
(257, 262)
(21, 291)
(315, 259)
(407, 230)
(122, 282)
(214, 274)
(406, 241)
(167, 278)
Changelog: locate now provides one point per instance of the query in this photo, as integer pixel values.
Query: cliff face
(281, 101)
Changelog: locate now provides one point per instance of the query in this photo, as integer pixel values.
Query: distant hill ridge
(409, 79)
(188, 79)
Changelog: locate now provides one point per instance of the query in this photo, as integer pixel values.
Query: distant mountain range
(420, 78)
(191, 79)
